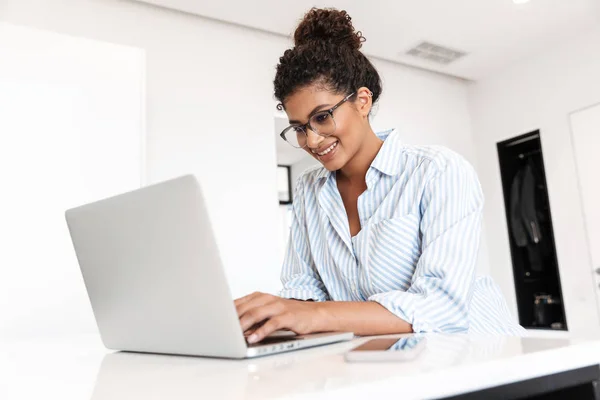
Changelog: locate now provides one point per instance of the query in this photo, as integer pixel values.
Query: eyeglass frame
(307, 125)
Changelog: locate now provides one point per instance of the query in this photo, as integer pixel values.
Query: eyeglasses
(321, 123)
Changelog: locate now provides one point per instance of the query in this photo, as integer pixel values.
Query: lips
(327, 154)
(322, 151)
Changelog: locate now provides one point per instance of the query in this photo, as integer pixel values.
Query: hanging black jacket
(525, 226)
(524, 223)
(516, 226)
(528, 205)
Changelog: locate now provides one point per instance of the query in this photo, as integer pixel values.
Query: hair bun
(327, 25)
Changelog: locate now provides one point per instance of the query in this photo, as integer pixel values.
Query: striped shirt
(417, 248)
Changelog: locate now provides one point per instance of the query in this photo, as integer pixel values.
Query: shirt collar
(386, 160)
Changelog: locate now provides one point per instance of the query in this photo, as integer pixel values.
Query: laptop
(155, 280)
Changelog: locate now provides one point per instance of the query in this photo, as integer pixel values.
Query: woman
(389, 232)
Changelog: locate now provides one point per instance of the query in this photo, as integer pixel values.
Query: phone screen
(403, 344)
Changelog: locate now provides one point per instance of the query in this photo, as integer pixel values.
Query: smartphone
(404, 349)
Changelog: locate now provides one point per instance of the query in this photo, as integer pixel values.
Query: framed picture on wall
(284, 184)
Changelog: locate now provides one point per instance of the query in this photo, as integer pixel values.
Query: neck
(355, 171)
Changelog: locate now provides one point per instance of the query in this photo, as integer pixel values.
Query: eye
(321, 118)
(298, 129)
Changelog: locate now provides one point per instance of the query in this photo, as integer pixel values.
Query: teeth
(328, 149)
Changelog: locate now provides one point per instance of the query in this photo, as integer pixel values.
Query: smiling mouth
(327, 150)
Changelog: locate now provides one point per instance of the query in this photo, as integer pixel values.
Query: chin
(333, 166)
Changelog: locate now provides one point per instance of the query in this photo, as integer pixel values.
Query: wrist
(322, 321)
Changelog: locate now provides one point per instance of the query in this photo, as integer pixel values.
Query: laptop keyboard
(275, 340)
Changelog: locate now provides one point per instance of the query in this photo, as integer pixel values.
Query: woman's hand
(262, 314)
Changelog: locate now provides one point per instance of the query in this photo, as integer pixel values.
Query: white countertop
(80, 368)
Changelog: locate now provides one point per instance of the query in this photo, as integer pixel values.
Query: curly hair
(326, 52)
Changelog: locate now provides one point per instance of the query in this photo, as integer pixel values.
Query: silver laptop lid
(153, 273)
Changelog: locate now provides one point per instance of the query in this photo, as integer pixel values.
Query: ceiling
(494, 33)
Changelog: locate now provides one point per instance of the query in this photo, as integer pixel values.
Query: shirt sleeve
(299, 275)
(441, 289)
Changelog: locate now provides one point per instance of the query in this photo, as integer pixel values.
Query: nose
(313, 141)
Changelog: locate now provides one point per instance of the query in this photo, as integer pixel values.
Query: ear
(364, 101)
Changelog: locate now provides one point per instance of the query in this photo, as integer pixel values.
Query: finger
(256, 302)
(272, 325)
(253, 328)
(259, 314)
(246, 298)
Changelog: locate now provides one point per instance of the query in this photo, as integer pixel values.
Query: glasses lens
(295, 136)
(323, 123)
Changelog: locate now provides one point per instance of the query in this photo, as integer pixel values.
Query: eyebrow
(317, 108)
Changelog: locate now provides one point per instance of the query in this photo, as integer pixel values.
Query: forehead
(302, 102)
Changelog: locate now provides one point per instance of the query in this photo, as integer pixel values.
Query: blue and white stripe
(417, 249)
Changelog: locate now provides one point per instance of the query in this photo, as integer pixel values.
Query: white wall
(72, 129)
(210, 112)
(426, 108)
(539, 93)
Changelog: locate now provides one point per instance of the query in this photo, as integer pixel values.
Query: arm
(362, 318)
(299, 275)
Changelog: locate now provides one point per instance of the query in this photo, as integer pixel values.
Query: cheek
(349, 139)
(348, 130)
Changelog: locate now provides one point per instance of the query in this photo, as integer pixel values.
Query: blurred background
(102, 96)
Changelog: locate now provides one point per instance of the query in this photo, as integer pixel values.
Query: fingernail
(252, 338)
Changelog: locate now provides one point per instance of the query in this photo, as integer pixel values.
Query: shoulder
(307, 184)
(448, 177)
(437, 161)
(309, 180)
(397, 157)
(311, 176)
(445, 174)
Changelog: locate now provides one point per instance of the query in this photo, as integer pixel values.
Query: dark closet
(533, 252)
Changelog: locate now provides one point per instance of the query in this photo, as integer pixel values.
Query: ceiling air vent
(435, 53)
